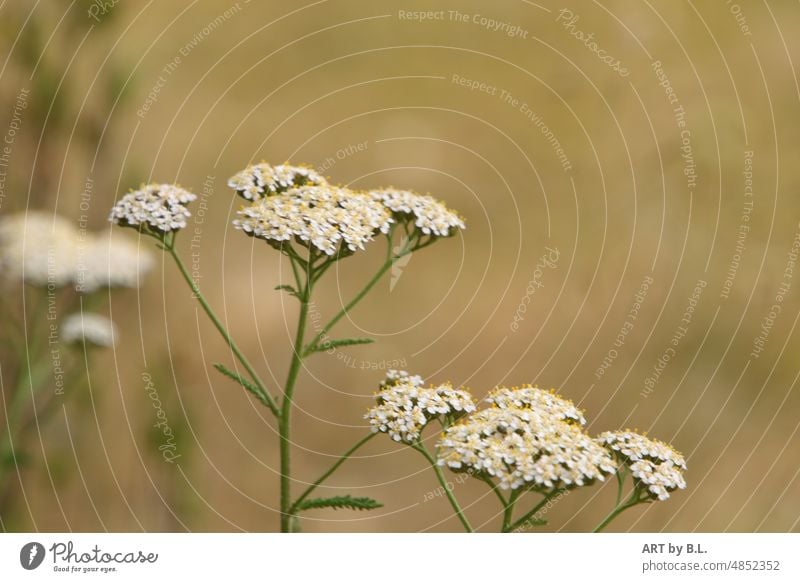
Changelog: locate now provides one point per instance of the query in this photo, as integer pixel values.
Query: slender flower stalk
(169, 245)
(443, 483)
(635, 498)
(284, 422)
(532, 513)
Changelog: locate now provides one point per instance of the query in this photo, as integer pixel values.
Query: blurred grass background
(309, 83)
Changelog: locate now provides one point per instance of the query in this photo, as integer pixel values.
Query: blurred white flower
(328, 219)
(404, 407)
(655, 466)
(524, 448)
(107, 260)
(38, 248)
(261, 180)
(94, 329)
(159, 207)
(429, 215)
(535, 398)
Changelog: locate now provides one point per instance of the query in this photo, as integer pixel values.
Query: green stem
(284, 421)
(170, 247)
(508, 512)
(443, 482)
(620, 485)
(32, 378)
(633, 499)
(535, 510)
(313, 344)
(329, 472)
(496, 491)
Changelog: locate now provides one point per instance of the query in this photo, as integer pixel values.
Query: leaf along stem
(310, 489)
(169, 246)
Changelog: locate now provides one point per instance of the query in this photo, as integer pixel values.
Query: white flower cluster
(524, 447)
(159, 207)
(533, 397)
(404, 407)
(262, 180)
(38, 248)
(109, 261)
(395, 377)
(47, 250)
(656, 466)
(430, 216)
(91, 328)
(323, 217)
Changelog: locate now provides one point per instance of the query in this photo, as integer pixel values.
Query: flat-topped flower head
(109, 261)
(522, 448)
(159, 208)
(404, 407)
(632, 446)
(326, 219)
(89, 329)
(262, 180)
(656, 467)
(395, 377)
(38, 248)
(534, 398)
(428, 214)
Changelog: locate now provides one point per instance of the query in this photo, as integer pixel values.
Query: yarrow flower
(655, 466)
(429, 215)
(107, 261)
(533, 397)
(524, 448)
(395, 377)
(262, 180)
(158, 207)
(327, 218)
(404, 407)
(38, 248)
(91, 328)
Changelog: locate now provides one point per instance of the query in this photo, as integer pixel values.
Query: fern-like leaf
(247, 385)
(339, 343)
(341, 502)
(288, 288)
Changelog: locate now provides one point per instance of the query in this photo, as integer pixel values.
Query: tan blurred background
(372, 97)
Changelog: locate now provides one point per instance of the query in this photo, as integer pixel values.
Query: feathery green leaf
(340, 502)
(246, 384)
(288, 288)
(338, 343)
